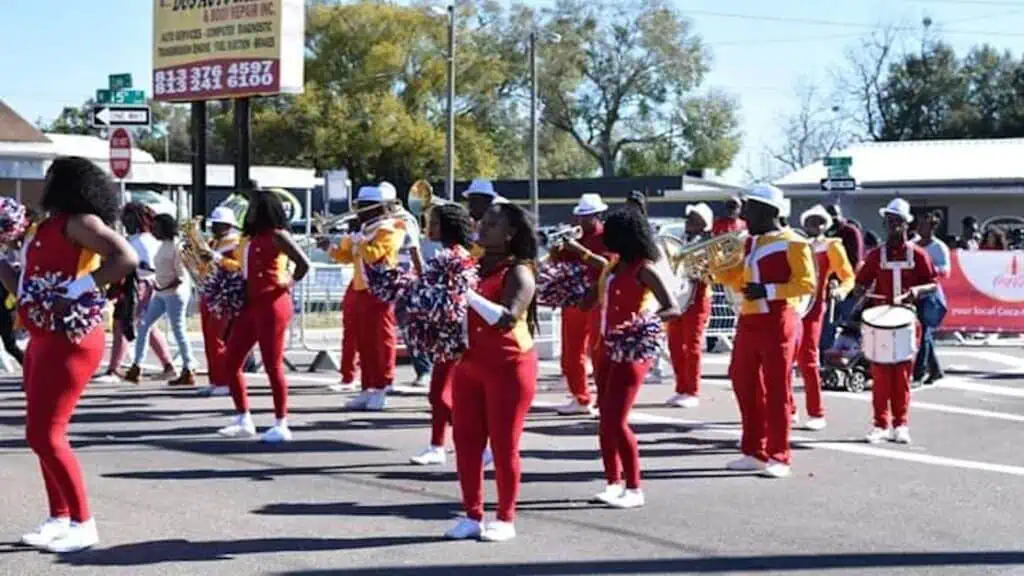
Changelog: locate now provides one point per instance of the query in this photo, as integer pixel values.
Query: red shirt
(895, 272)
(594, 241)
(623, 295)
(266, 266)
(726, 225)
(488, 343)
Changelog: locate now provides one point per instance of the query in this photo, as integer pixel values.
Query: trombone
(322, 224)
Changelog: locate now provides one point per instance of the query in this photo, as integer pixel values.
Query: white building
(980, 178)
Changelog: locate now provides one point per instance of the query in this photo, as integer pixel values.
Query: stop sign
(120, 153)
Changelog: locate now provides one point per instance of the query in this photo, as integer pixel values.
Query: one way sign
(106, 116)
(843, 184)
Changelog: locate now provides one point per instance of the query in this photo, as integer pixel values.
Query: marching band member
(834, 281)
(496, 378)
(776, 271)
(76, 240)
(379, 240)
(480, 195)
(686, 333)
(262, 256)
(629, 286)
(450, 225)
(731, 222)
(224, 242)
(901, 272)
(580, 325)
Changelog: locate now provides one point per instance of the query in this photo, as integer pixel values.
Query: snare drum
(889, 334)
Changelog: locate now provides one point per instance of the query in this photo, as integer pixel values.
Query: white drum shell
(889, 334)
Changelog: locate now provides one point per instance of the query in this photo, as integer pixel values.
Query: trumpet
(700, 260)
(561, 236)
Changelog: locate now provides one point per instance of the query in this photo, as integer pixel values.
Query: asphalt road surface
(171, 497)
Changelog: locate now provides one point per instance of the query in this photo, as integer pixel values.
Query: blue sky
(762, 48)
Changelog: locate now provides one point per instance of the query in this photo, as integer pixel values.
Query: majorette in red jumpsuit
(56, 372)
(761, 366)
(580, 327)
(215, 327)
(494, 385)
(686, 345)
(621, 296)
(830, 260)
(264, 320)
(893, 271)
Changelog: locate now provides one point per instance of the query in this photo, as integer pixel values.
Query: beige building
(980, 178)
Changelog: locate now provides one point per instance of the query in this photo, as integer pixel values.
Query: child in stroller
(844, 366)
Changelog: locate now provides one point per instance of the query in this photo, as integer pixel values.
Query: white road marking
(986, 356)
(957, 383)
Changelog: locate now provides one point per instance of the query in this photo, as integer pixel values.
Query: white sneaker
(776, 470)
(215, 391)
(876, 435)
(360, 401)
(431, 456)
(628, 499)
(573, 407)
(488, 457)
(683, 401)
(464, 529)
(48, 531)
(498, 531)
(378, 401)
(901, 435)
(342, 387)
(420, 381)
(79, 536)
(610, 493)
(816, 424)
(746, 464)
(241, 427)
(277, 434)
(106, 379)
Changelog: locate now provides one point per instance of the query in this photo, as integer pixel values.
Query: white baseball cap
(818, 211)
(223, 215)
(387, 191)
(897, 207)
(704, 211)
(770, 195)
(589, 204)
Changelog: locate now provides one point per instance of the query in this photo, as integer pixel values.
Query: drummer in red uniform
(901, 272)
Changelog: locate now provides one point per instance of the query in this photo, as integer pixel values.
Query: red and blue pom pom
(39, 296)
(386, 283)
(224, 293)
(562, 284)
(13, 220)
(635, 340)
(432, 312)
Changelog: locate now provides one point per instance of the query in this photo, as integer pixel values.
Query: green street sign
(132, 97)
(838, 172)
(119, 82)
(838, 161)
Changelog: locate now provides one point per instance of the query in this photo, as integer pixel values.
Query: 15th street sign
(106, 116)
(120, 97)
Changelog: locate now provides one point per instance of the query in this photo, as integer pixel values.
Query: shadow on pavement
(810, 563)
(247, 473)
(167, 551)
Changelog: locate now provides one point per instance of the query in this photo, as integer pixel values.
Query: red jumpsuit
(893, 272)
(580, 326)
(56, 372)
(213, 326)
(264, 319)
(494, 384)
(621, 296)
(376, 330)
(349, 336)
(686, 340)
(761, 367)
(829, 259)
(440, 397)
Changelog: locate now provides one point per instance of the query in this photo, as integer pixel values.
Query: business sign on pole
(219, 50)
(120, 153)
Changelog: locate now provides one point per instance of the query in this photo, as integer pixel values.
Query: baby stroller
(844, 367)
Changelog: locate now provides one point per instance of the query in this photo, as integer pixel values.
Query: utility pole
(534, 188)
(449, 183)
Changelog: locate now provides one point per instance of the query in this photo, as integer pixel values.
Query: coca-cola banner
(985, 291)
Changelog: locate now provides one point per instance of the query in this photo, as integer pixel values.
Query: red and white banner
(985, 291)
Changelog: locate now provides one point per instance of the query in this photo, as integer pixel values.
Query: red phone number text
(212, 80)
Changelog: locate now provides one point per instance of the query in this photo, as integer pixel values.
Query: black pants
(7, 330)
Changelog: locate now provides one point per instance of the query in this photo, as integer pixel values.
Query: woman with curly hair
(629, 286)
(75, 241)
(452, 227)
(137, 219)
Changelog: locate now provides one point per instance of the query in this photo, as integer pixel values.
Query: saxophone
(192, 251)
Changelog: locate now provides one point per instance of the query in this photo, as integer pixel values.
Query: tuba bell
(192, 250)
(421, 201)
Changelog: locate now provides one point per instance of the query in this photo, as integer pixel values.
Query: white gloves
(491, 312)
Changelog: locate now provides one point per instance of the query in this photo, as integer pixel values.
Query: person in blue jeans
(172, 291)
(931, 310)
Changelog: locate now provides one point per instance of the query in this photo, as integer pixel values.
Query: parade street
(170, 497)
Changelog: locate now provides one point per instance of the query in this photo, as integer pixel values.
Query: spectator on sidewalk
(994, 239)
(931, 309)
(970, 234)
